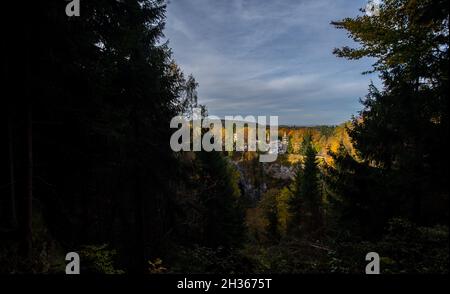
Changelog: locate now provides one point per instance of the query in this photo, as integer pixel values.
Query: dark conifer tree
(306, 202)
(402, 126)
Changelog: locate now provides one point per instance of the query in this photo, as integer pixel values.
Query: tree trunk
(13, 215)
(29, 184)
(139, 262)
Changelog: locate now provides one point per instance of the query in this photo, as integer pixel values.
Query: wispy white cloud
(269, 57)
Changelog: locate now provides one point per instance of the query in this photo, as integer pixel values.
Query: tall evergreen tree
(306, 142)
(306, 201)
(354, 190)
(220, 197)
(402, 126)
(271, 212)
(100, 91)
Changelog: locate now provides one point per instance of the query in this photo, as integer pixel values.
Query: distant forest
(87, 165)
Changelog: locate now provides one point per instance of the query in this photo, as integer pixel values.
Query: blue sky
(264, 57)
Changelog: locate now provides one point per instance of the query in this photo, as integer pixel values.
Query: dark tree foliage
(402, 127)
(88, 167)
(306, 143)
(306, 202)
(220, 197)
(87, 118)
(360, 196)
(271, 212)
